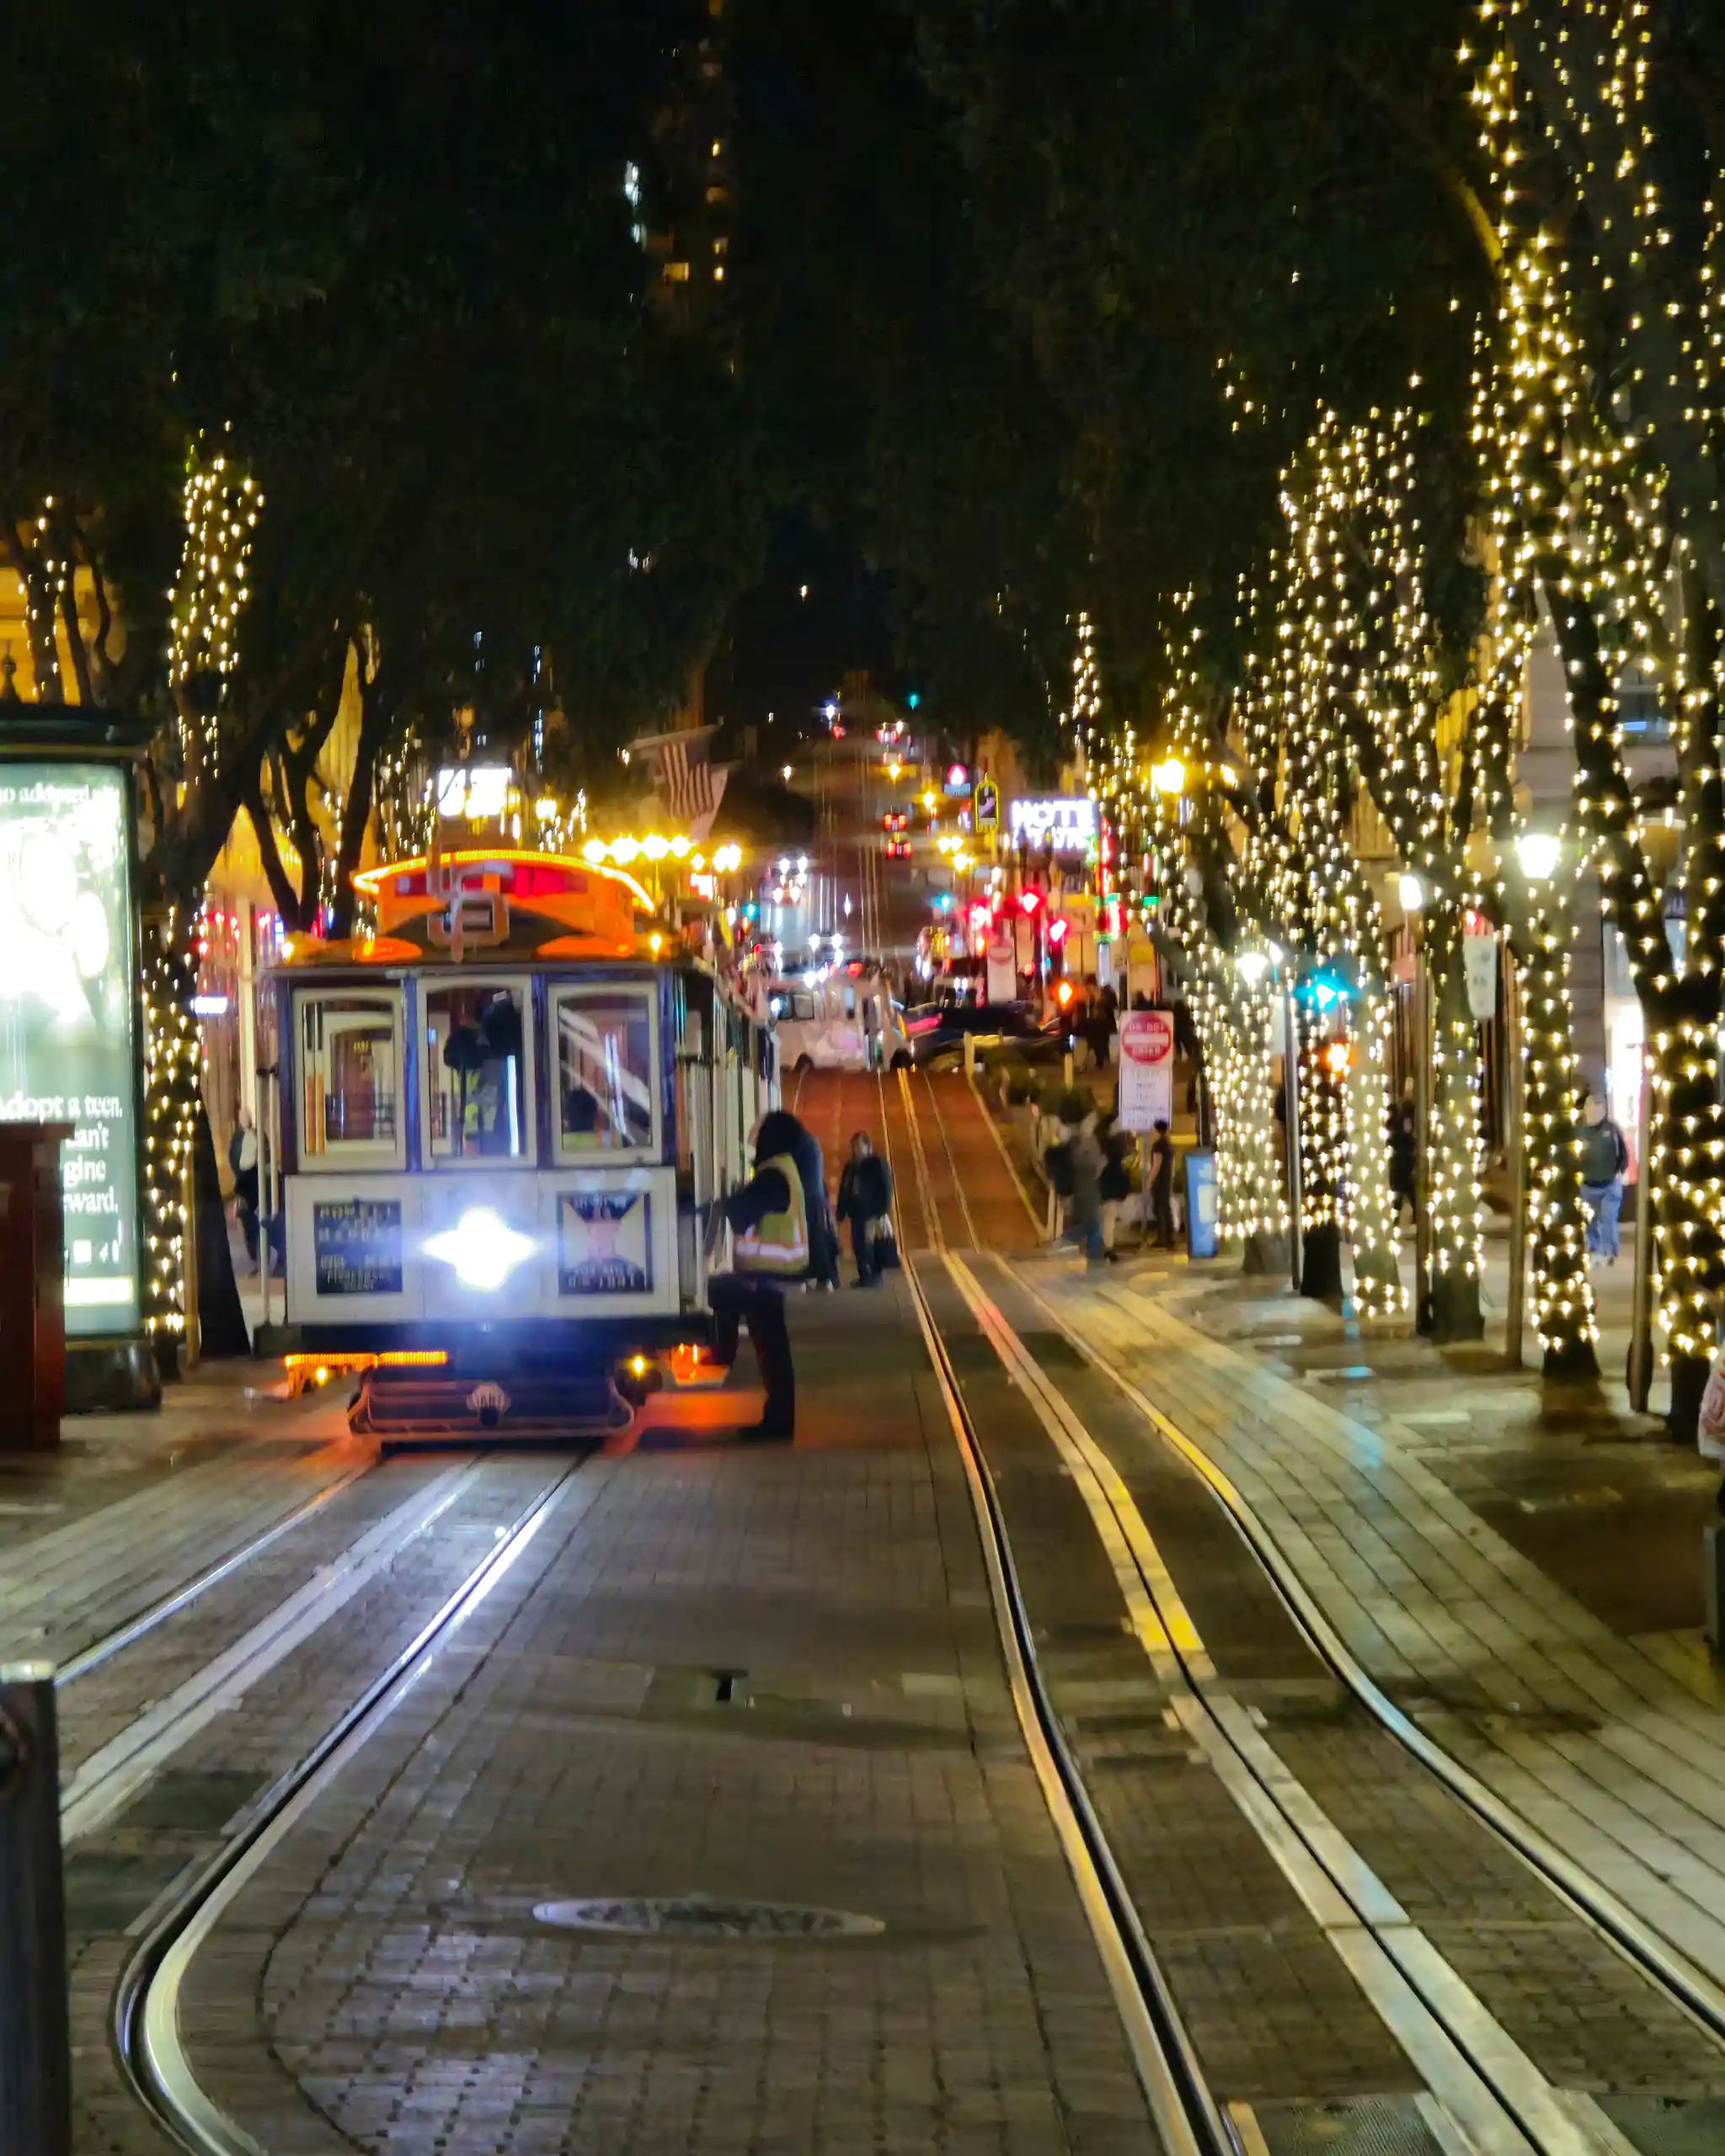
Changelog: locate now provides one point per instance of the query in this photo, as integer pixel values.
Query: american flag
(686, 781)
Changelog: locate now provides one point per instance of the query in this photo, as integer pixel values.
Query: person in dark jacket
(243, 1164)
(781, 1132)
(1404, 1157)
(1162, 1186)
(865, 1199)
(768, 1219)
(1115, 1184)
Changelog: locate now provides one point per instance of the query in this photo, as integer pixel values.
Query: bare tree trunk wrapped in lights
(1236, 1024)
(173, 1102)
(1564, 1315)
(1601, 446)
(1453, 1174)
(1370, 1214)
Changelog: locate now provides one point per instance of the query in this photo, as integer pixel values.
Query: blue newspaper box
(1200, 1204)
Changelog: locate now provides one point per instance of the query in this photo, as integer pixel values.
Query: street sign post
(1146, 1068)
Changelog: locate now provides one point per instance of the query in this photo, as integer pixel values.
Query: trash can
(1200, 1203)
(32, 1285)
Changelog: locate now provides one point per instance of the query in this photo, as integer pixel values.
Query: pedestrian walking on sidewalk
(769, 1220)
(243, 1162)
(1604, 1158)
(866, 1201)
(1162, 1186)
(1404, 1157)
(1115, 1184)
(1084, 1216)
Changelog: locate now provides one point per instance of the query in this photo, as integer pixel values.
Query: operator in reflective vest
(769, 1221)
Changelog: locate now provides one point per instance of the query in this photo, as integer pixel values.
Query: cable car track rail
(156, 1614)
(1698, 1993)
(1185, 2114)
(1482, 2093)
(145, 2011)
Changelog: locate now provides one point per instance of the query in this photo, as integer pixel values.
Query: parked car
(938, 1030)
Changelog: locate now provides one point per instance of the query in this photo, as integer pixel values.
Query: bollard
(1713, 1561)
(36, 2053)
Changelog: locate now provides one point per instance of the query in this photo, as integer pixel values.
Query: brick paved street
(1391, 1494)
(131, 1506)
(721, 1676)
(388, 1967)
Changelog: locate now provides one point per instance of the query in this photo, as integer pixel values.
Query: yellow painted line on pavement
(1037, 1220)
(1161, 2090)
(1495, 2094)
(1160, 1618)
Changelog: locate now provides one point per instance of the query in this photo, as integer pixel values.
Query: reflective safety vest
(779, 1244)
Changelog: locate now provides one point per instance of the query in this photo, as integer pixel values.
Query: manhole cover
(702, 1916)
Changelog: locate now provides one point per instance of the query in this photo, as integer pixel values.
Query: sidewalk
(1527, 1590)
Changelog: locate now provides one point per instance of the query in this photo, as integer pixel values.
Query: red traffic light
(1029, 900)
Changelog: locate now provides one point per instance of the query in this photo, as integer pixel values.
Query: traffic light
(1028, 901)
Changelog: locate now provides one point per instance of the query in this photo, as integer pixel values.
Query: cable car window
(477, 1086)
(349, 1080)
(607, 1091)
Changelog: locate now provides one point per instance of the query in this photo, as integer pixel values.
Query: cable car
(505, 1117)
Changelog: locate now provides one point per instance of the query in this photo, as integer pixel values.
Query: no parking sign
(1146, 1068)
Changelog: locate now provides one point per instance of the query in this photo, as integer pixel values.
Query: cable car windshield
(607, 1096)
(476, 1072)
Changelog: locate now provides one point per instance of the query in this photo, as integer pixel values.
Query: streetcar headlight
(481, 1248)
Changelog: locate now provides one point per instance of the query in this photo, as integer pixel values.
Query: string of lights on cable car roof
(489, 899)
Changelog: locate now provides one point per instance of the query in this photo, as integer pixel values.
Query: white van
(837, 1020)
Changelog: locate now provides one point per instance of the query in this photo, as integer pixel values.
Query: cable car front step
(418, 1407)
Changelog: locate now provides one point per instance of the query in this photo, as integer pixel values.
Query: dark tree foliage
(899, 402)
(383, 259)
(1208, 218)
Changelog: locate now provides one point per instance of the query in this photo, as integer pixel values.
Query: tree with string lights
(1604, 427)
(434, 440)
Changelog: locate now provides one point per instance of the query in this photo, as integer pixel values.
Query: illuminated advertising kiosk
(70, 1048)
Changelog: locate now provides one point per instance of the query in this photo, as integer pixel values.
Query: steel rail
(93, 1657)
(940, 1124)
(1588, 1898)
(1511, 2103)
(1462, 2052)
(145, 2011)
(1185, 2113)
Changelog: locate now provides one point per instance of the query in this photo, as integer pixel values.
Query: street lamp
(1169, 777)
(1411, 892)
(1539, 853)
(1252, 966)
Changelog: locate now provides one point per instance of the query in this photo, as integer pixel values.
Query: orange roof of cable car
(552, 872)
(490, 901)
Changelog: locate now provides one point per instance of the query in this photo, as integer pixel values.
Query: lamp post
(1411, 894)
(1538, 853)
(1290, 1121)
